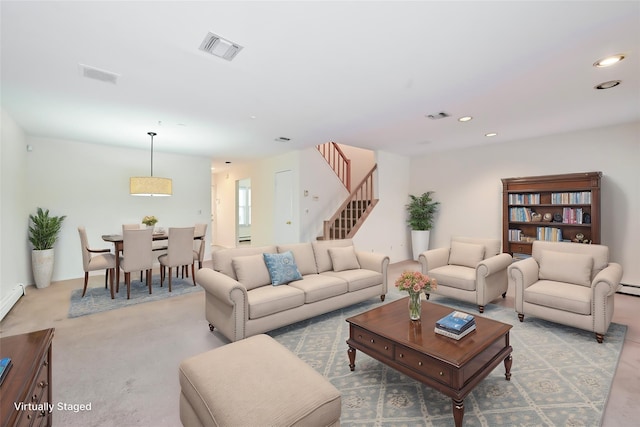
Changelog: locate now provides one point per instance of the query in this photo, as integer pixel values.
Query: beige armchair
(471, 270)
(569, 283)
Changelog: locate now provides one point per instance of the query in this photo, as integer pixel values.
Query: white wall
(15, 261)
(468, 184)
(89, 183)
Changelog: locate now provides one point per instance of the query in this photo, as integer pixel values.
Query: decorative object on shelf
(536, 217)
(149, 220)
(579, 238)
(43, 233)
(421, 211)
(150, 185)
(547, 217)
(557, 217)
(415, 283)
(586, 218)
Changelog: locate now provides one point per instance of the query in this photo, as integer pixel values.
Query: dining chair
(96, 259)
(179, 252)
(157, 247)
(137, 255)
(199, 244)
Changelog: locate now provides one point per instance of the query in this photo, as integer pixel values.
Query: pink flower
(415, 282)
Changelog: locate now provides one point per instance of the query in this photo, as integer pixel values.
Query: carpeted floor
(98, 299)
(560, 375)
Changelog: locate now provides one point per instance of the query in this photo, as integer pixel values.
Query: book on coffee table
(456, 322)
(455, 336)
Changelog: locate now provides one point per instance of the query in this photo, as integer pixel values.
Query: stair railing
(351, 214)
(338, 161)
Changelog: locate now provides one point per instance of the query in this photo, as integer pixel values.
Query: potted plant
(421, 211)
(43, 233)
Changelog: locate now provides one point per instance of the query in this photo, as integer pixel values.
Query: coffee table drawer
(372, 341)
(423, 364)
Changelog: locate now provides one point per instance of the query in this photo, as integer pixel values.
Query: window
(244, 205)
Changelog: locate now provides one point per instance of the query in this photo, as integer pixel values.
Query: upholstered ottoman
(255, 382)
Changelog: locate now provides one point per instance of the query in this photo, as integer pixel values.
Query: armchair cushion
(566, 267)
(455, 276)
(344, 258)
(466, 254)
(560, 296)
(251, 271)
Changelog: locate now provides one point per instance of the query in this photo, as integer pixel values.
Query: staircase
(352, 213)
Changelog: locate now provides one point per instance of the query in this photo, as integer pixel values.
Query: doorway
(243, 211)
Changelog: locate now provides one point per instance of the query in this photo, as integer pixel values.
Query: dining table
(118, 244)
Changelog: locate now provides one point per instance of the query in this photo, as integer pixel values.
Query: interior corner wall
(468, 185)
(15, 263)
(89, 183)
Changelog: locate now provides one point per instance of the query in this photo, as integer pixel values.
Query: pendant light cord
(152, 134)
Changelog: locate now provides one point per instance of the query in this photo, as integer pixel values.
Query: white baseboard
(9, 300)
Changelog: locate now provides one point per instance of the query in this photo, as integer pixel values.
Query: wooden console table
(28, 383)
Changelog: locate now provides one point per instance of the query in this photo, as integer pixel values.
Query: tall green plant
(421, 211)
(44, 229)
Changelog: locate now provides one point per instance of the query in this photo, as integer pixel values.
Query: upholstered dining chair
(158, 247)
(96, 259)
(179, 252)
(199, 244)
(137, 255)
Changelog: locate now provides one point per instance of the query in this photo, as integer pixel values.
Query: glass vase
(415, 305)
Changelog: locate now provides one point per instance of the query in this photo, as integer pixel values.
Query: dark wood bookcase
(568, 206)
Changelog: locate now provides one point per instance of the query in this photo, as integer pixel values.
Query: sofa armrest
(522, 274)
(221, 286)
(608, 280)
(376, 262)
(433, 258)
(494, 264)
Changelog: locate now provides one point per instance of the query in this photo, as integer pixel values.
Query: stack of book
(456, 325)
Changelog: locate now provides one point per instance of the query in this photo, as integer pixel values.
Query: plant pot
(419, 242)
(42, 266)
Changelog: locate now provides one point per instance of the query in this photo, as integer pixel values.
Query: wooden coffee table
(412, 347)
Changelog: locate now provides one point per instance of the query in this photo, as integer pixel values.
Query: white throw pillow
(566, 267)
(251, 271)
(344, 258)
(466, 254)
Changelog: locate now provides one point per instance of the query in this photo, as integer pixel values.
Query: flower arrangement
(415, 282)
(149, 220)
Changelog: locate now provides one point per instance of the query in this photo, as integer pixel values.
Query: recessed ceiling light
(608, 85)
(465, 119)
(490, 134)
(283, 139)
(608, 61)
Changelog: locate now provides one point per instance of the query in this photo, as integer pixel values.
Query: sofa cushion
(321, 252)
(267, 300)
(303, 254)
(222, 260)
(560, 295)
(357, 279)
(455, 276)
(317, 287)
(566, 267)
(282, 268)
(344, 258)
(466, 254)
(251, 271)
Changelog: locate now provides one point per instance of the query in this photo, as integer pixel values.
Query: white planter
(419, 242)
(42, 266)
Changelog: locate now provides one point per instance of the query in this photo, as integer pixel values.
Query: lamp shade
(150, 186)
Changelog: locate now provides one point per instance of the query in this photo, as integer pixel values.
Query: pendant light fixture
(150, 185)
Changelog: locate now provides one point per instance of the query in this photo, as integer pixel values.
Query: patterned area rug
(560, 375)
(99, 299)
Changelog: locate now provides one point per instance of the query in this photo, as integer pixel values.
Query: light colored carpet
(98, 299)
(560, 376)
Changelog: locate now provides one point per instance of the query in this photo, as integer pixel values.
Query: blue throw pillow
(282, 268)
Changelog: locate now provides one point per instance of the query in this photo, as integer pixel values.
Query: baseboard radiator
(9, 300)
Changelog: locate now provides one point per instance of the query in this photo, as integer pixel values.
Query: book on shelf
(453, 335)
(456, 322)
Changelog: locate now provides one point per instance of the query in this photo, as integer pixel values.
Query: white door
(284, 228)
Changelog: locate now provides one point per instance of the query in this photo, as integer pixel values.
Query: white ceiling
(362, 73)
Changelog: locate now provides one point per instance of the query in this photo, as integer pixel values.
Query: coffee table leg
(352, 358)
(458, 411)
(507, 366)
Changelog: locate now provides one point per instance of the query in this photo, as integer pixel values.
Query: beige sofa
(568, 283)
(240, 300)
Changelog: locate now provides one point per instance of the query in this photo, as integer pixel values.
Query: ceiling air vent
(98, 74)
(438, 116)
(218, 46)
